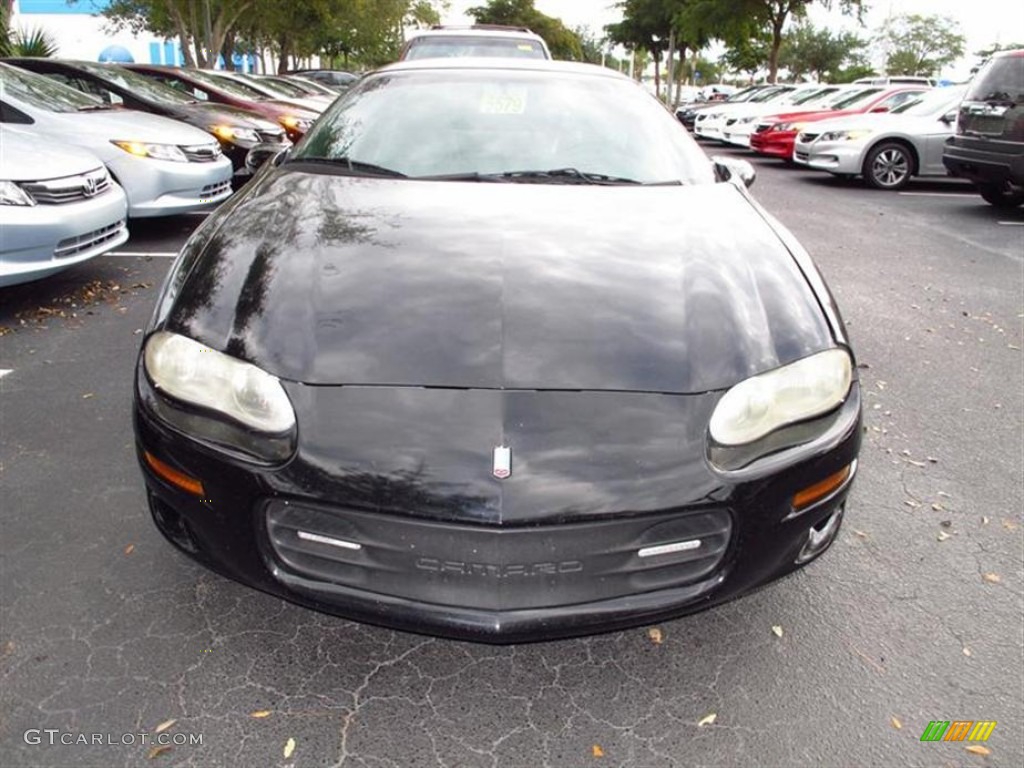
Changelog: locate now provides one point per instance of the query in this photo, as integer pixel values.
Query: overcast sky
(982, 21)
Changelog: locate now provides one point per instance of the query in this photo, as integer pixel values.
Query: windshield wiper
(355, 167)
(553, 176)
(94, 107)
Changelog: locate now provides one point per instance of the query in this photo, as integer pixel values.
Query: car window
(896, 99)
(180, 85)
(145, 87)
(856, 99)
(229, 86)
(437, 46)
(1001, 80)
(42, 92)
(766, 95)
(936, 102)
(438, 122)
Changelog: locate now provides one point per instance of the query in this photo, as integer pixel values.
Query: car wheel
(888, 166)
(1002, 195)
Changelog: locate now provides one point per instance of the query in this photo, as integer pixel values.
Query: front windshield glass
(931, 103)
(226, 84)
(813, 96)
(286, 87)
(486, 121)
(745, 94)
(145, 87)
(45, 93)
(437, 46)
(849, 100)
(769, 94)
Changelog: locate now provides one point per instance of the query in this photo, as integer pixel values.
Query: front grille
(271, 137)
(213, 190)
(68, 189)
(71, 246)
(201, 153)
(495, 567)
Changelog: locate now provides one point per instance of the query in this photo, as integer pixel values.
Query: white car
(709, 123)
(165, 166)
(739, 124)
(58, 207)
(888, 148)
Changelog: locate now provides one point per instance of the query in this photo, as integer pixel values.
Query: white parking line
(1012, 223)
(5, 371)
(154, 254)
(939, 194)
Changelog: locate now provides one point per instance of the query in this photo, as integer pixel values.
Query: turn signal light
(821, 489)
(174, 477)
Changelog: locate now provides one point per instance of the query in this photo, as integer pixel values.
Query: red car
(775, 135)
(295, 119)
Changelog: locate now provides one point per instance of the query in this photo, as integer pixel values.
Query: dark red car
(294, 119)
(775, 135)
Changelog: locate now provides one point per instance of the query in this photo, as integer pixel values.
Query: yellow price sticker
(503, 101)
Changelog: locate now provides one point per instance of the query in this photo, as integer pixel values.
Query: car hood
(31, 157)
(212, 114)
(883, 121)
(332, 280)
(828, 114)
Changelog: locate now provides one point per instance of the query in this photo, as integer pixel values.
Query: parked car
(739, 123)
(988, 146)
(896, 80)
(486, 40)
(238, 130)
(887, 149)
(290, 94)
(716, 92)
(775, 135)
(310, 86)
(633, 399)
(710, 123)
(58, 207)
(165, 166)
(687, 114)
(334, 79)
(199, 85)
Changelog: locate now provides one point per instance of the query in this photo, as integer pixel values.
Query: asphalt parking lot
(915, 615)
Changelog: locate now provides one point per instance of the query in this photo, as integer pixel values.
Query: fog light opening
(178, 479)
(820, 536)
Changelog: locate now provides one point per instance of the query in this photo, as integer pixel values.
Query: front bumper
(967, 160)
(165, 188)
(774, 143)
(845, 157)
(738, 135)
(38, 241)
(331, 542)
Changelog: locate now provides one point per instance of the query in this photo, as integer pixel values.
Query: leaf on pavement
(158, 750)
(992, 578)
(87, 395)
(777, 630)
(706, 720)
(289, 747)
(164, 726)
(129, 549)
(655, 634)
(596, 751)
(943, 536)
(967, 651)
(260, 713)
(977, 749)
(1009, 525)
(862, 534)
(896, 723)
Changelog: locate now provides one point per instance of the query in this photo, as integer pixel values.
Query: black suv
(988, 147)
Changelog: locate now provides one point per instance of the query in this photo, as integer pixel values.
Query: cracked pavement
(914, 615)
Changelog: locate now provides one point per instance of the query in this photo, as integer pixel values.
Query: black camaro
(497, 353)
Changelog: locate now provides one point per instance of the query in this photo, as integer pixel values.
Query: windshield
(226, 84)
(745, 94)
(485, 121)
(437, 46)
(929, 103)
(299, 87)
(769, 94)
(143, 86)
(819, 94)
(850, 99)
(281, 86)
(45, 93)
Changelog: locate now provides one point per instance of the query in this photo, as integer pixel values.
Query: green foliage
(808, 50)
(31, 42)
(748, 54)
(710, 71)
(921, 45)
(563, 42)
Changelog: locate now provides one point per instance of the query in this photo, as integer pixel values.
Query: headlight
(191, 372)
(12, 194)
(788, 126)
(231, 133)
(746, 120)
(293, 123)
(802, 390)
(155, 151)
(853, 135)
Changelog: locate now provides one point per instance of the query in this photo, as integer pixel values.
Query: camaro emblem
(502, 462)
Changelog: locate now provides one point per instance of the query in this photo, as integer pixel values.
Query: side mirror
(734, 169)
(949, 118)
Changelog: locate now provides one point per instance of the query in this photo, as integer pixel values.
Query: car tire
(1001, 195)
(889, 165)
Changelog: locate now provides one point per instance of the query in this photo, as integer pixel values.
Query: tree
(562, 41)
(748, 55)
(807, 49)
(920, 45)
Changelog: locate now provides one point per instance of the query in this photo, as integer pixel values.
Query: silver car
(58, 207)
(887, 148)
(165, 166)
